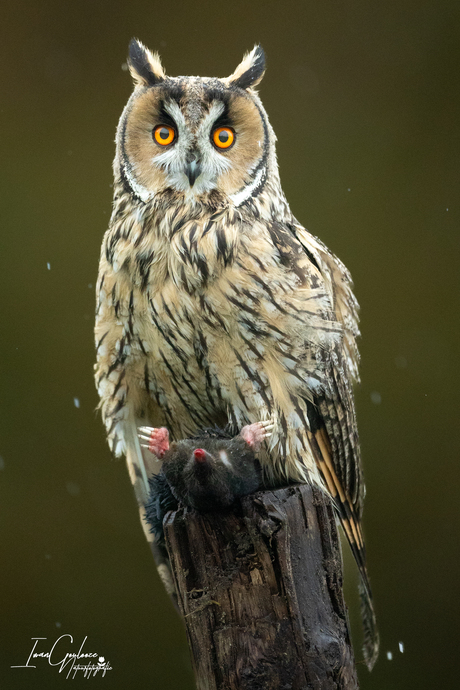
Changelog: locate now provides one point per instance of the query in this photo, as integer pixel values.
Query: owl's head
(201, 138)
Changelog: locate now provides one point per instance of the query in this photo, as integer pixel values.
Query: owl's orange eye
(164, 135)
(223, 137)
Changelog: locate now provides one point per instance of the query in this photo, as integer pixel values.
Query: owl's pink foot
(254, 434)
(156, 440)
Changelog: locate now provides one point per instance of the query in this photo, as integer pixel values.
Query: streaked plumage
(215, 305)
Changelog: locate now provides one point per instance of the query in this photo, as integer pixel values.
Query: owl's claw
(156, 440)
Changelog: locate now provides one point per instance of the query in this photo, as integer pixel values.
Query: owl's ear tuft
(250, 71)
(145, 67)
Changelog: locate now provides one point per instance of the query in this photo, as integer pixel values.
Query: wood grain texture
(260, 590)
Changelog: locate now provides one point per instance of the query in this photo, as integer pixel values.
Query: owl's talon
(143, 437)
(267, 424)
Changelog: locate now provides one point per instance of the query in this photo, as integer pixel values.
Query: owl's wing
(118, 401)
(333, 431)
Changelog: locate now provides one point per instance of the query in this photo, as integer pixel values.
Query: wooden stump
(260, 590)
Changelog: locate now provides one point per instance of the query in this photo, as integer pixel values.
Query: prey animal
(208, 472)
(214, 304)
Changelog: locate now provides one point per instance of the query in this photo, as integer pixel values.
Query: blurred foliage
(364, 101)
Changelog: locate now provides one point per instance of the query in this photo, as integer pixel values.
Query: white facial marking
(224, 457)
(140, 191)
(214, 111)
(246, 192)
(173, 109)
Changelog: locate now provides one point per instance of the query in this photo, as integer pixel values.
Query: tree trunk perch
(260, 590)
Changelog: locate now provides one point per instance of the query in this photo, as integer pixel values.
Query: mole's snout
(200, 455)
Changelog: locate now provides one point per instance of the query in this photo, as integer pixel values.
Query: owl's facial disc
(194, 136)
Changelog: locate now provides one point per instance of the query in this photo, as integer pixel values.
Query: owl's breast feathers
(208, 315)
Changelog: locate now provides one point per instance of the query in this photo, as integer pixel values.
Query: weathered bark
(260, 590)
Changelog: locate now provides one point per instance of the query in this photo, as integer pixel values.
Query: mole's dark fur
(210, 485)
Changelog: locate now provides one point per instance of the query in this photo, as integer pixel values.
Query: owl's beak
(193, 170)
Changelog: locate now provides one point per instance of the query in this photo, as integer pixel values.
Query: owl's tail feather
(352, 528)
(351, 525)
(371, 634)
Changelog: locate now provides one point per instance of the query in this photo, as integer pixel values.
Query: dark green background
(364, 99)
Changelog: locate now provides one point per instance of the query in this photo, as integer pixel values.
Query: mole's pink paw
(156, 440)
(254, 434)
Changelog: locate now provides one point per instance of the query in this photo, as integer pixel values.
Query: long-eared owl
(215, 305)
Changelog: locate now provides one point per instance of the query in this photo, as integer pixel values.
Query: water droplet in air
(73, 488)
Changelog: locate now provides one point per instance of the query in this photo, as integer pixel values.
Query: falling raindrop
(73, 488)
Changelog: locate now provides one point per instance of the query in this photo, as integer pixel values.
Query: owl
(215, 306)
